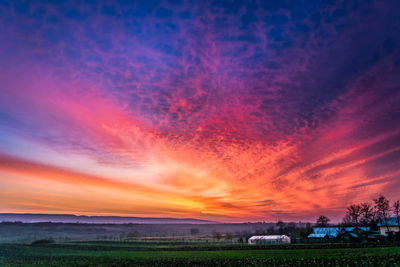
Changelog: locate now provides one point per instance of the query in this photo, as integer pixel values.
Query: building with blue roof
(325, 232)
(352, 228)
(389, 225)
(336, 232)
(314, 235)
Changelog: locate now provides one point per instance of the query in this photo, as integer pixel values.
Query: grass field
(137, 254)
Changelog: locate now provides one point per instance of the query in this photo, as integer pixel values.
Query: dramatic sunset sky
(221, 110)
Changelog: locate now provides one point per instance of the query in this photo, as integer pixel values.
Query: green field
(168, 254)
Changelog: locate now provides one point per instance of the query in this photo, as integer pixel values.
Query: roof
(330, 231)
(391, 222)
(313, 235)
(353, 235)
(351, 228)
(269, 237)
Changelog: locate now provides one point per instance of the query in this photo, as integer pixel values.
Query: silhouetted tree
(228, 236)
(382, 210)
(305, 232)
(347, 220)
(323, 221)
(396, 211)
(367, 214)
(271, 230)
(354, 212)
(280, 225)
(291, 230)
(217, 235)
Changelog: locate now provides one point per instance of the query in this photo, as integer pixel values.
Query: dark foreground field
(170, 254)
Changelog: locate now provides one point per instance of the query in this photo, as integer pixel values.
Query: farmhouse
(356, 234)
(391, 223)
(269, 239)
(353, 228)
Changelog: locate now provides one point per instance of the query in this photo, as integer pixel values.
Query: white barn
(269, 239)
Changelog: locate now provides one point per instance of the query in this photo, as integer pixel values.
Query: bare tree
(346, 220)
(323, 221)
(382, 210)
(396, 211)
(281, 226)
(367, 213)
(354, 212)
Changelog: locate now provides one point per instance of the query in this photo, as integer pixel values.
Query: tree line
(368, 214)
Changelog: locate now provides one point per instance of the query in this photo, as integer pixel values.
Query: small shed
(269, 239)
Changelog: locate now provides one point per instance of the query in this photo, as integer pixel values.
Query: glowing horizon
(227, 111)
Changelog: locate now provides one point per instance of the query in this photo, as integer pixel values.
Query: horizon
(219, 110)
(133, 217)
(128, 216)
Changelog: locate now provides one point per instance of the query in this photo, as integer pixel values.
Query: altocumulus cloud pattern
(212, 109)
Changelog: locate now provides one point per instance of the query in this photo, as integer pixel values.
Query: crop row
(105, 261)
(206, 247)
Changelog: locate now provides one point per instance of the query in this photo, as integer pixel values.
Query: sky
(221, 110)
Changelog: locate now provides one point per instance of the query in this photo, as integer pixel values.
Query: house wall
(383, 229)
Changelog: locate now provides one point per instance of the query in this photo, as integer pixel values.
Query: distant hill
(69, 218)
